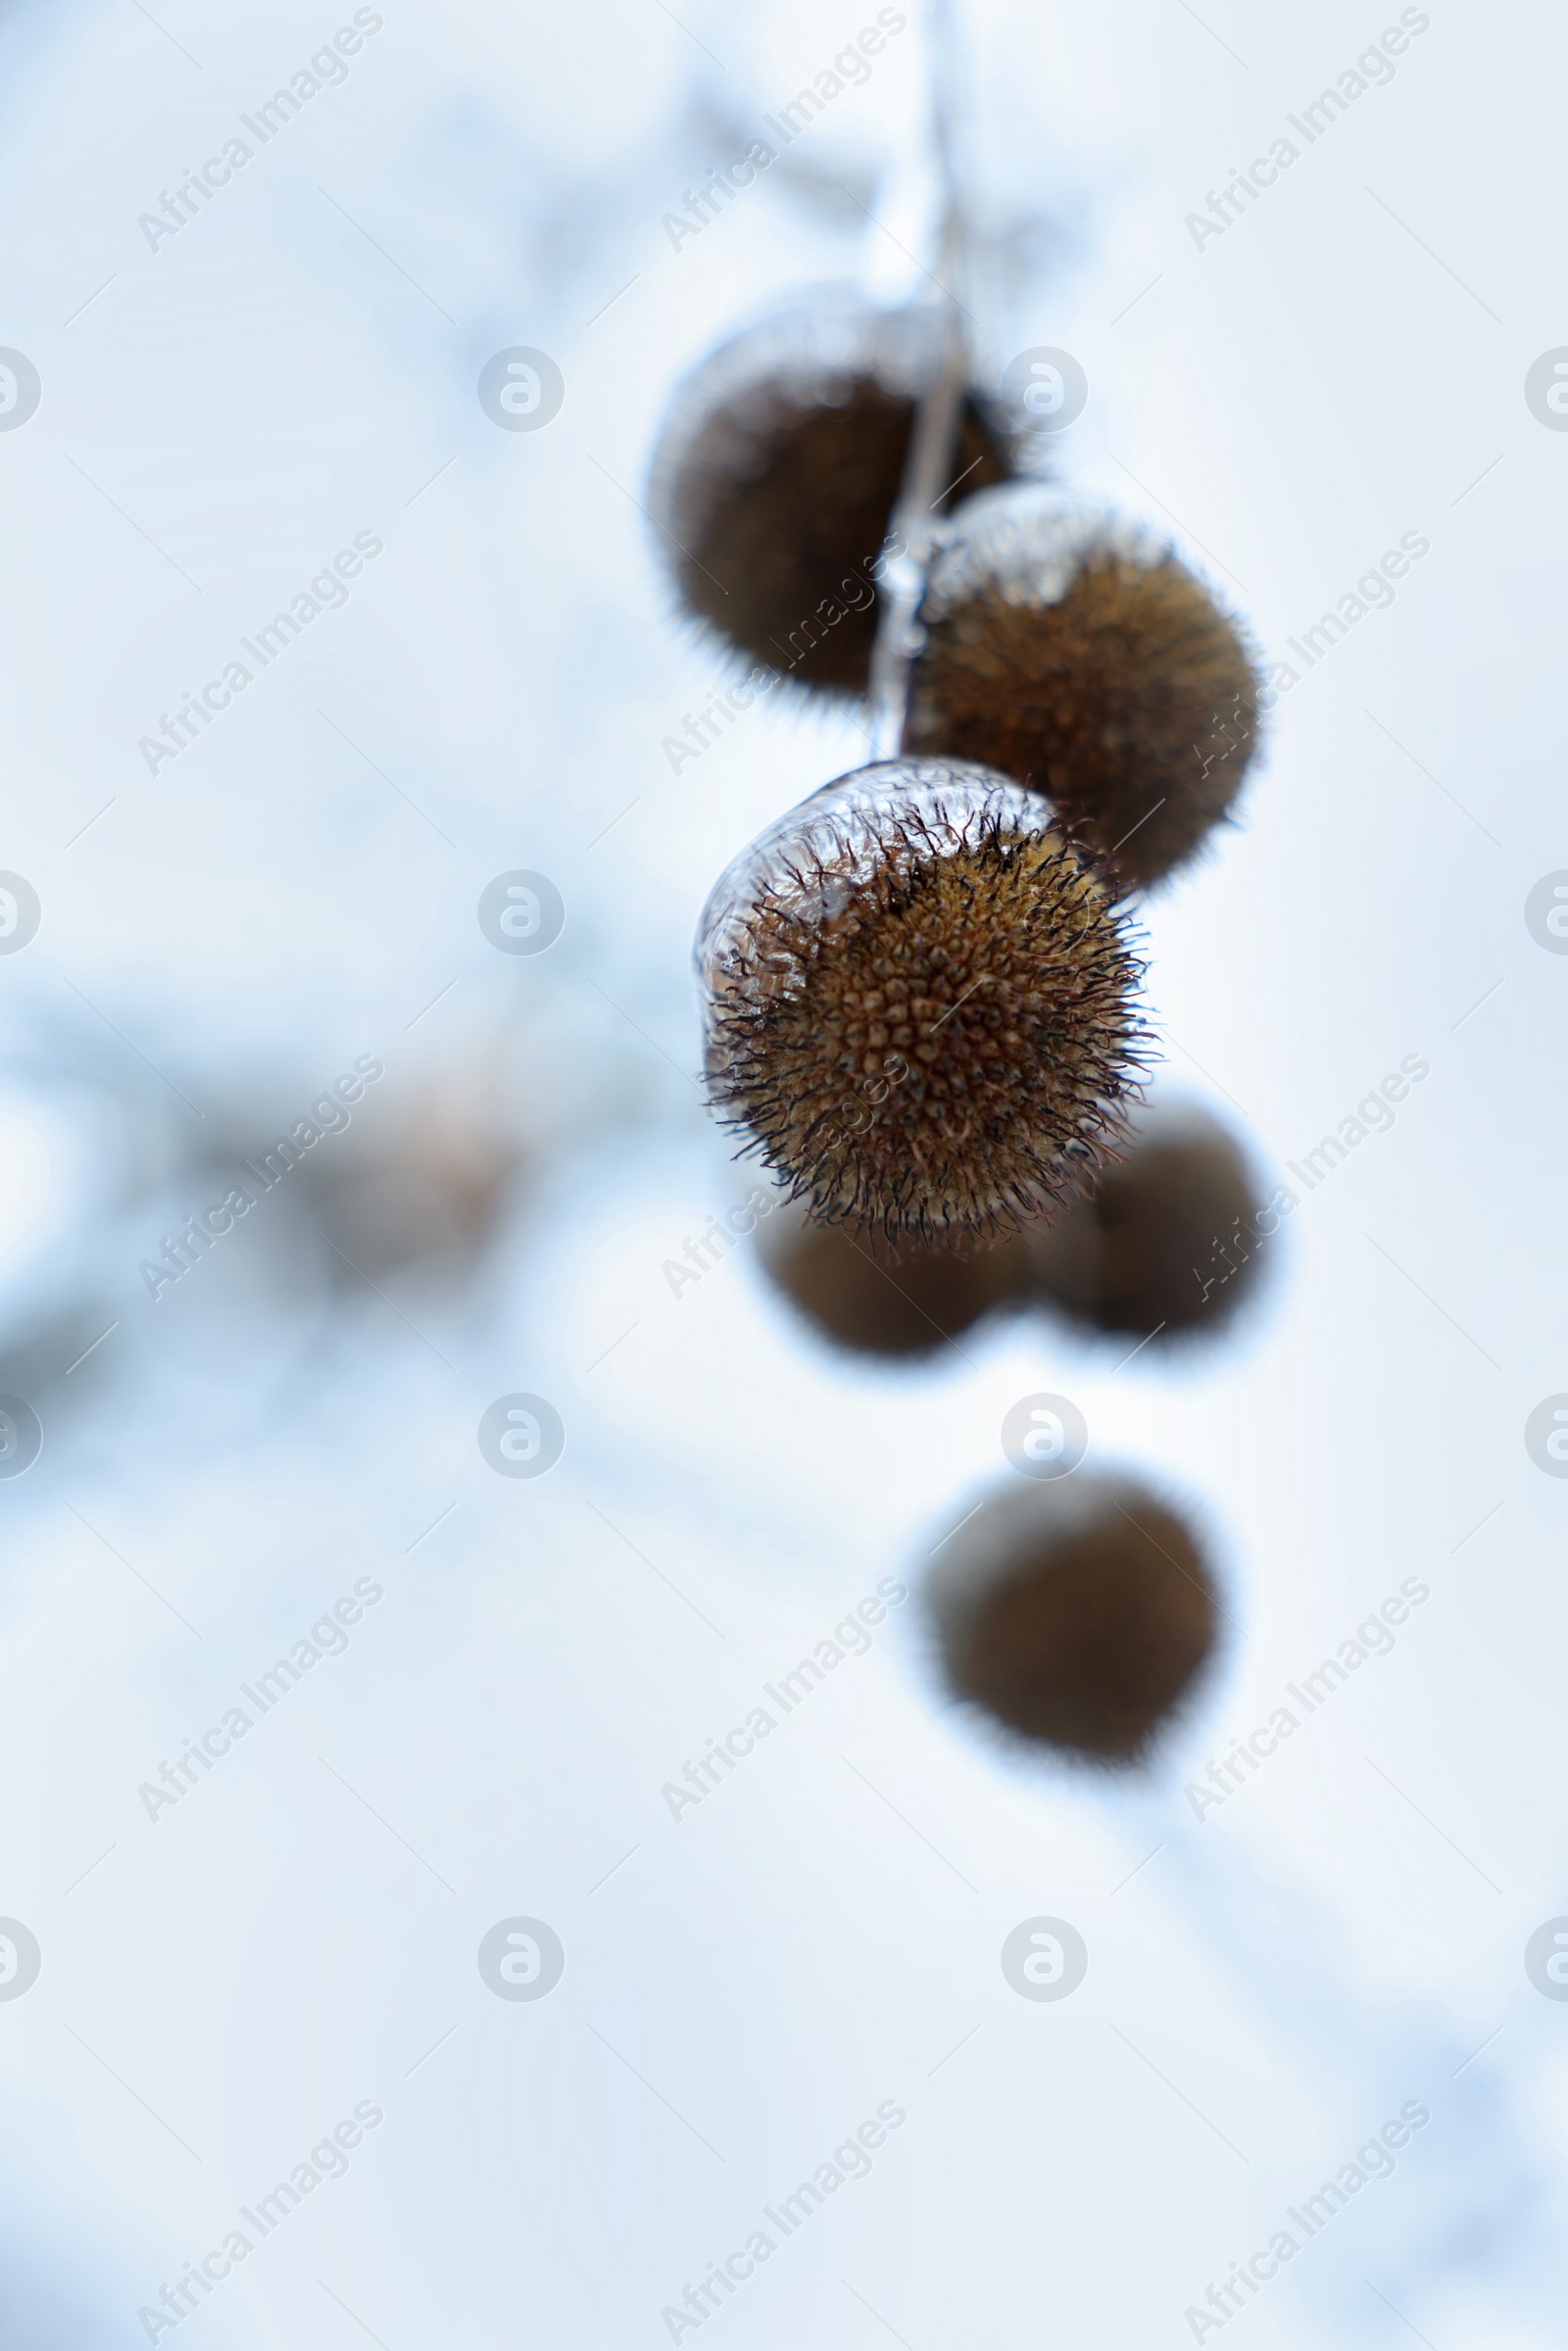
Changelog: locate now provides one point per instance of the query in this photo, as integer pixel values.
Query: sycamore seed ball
(1077, 1614)
(1074, 650)
(919, 998)
(861, 1293)
(1168, 1242)
(776, 474)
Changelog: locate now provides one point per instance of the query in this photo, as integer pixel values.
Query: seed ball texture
(918, 1003)
(777, 470)
(1074, 650)
(1077, 1614)
(1167, 1243)
(861, 1293)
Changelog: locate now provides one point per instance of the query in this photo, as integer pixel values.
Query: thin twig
(913, 527)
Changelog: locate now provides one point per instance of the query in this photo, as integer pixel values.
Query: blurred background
(212, 1984)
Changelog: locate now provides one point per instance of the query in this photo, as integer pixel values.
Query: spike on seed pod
(918, 1002)
(1079, 1614)
(1073, 649)
(778, 466)
(861, 1293)
(1168, 1243)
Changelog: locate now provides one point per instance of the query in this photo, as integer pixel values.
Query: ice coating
(840, 831)
(806, 355)
(1029, 542)
(917, 997)
(778, 471)
(1076, 651)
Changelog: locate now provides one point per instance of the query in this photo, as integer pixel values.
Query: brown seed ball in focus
(918, 999)
(1078, 1613)
(881, 1301)
(777, 471)
(1074, 650)
(1167, 1243)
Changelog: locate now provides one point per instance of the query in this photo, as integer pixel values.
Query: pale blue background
(1343, 366)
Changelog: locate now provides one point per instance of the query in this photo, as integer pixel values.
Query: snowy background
(222, 412)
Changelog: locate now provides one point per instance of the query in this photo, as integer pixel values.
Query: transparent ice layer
(729, 406)
(1029, 543)
(814, 856)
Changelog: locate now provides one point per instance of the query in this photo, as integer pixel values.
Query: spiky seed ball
(1169, 1240)
(882, 1300)
(776, 473)
(1077, 1613)
(1074, 650)
(918, 1002)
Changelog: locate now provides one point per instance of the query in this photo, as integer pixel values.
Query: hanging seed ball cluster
(919, 999)
(1167, 1243)
(1073, 650)
(1078, 1614)
(778, 468)
(861, 1293)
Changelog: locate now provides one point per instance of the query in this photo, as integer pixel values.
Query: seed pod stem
(928, 470)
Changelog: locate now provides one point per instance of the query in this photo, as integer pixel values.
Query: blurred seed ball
(1168, 1242)
(777, 471)
(861, 1293)
(422, 1186)
(385, 1218)
(1073, 649)
(1078, 1614)
(918, 1003)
